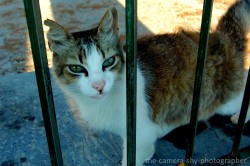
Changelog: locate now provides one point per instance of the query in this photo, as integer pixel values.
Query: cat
(89, 66)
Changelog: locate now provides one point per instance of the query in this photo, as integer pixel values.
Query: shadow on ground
(23, 140)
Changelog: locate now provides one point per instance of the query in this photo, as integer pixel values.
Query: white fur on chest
(107, 114)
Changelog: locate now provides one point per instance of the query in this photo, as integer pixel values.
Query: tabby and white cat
(90, 68)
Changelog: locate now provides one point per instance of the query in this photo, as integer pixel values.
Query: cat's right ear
(57, 36)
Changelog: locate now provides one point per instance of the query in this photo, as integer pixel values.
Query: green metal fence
(131, 68)
(33, 16)
(202, 51)
(34, 22)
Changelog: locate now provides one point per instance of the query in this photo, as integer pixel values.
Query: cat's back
(167, 50)
(168, 63)
(168, 58)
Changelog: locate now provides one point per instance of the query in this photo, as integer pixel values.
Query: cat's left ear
(108, 30)
(59, 39)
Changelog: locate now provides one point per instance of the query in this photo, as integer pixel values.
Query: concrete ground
(23, 140)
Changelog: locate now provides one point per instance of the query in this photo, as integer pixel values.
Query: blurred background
(156, 16)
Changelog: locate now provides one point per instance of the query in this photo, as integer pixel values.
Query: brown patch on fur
(170, 60)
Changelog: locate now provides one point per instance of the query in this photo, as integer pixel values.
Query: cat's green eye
(78, 69)
(109, 62)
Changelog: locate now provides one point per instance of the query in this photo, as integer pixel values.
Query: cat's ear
(108, 30)
(58, 37)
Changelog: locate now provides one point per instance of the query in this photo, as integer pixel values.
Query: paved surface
(23, 140)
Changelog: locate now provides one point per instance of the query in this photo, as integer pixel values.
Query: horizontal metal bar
(202, 51)
(34, 22)
(131, 80)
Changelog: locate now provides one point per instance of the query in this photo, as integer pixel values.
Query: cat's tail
(236, 23)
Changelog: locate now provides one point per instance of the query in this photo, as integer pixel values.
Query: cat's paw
(234, 118)
(124, 163)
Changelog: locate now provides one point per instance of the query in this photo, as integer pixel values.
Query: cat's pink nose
(98, 85)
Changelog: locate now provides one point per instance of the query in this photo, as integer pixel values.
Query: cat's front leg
(234, 118)
(124, 159)
(145, 147)
(141, 155)
(233, 107)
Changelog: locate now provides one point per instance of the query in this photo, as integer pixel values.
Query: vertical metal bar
(202, 51)
(242, 118)
(131, 73)
(34, 22)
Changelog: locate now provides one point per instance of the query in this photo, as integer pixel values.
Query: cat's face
(90, 62)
